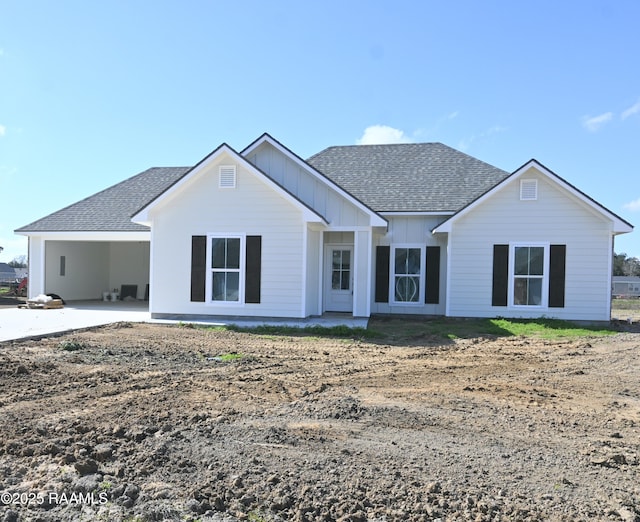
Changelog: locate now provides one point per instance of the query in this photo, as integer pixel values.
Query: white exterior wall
(86, 269)
(556, 217)
(313, 192)
(200, 207)
(129, 265)
(36, 266)
(314, 273)
(413, 230)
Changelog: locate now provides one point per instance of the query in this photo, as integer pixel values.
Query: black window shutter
(500, 275)
(253, 269)
(432, 294)
(198, 267)
(382, 274)
(557, 268)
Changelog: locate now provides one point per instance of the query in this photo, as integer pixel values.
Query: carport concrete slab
(18, 323)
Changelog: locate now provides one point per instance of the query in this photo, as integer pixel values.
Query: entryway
(338, 278)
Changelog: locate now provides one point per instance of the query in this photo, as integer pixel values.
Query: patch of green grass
(228, 357)
(402, 329)
(625, 304)
(307, 331)
(71, 346)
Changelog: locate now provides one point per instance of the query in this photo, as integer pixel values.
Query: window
(528, 275)
(225, 269)
(341, 270)
(407, 274)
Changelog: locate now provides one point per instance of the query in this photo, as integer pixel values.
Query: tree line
(624, 265)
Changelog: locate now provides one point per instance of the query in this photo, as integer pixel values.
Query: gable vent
(227, 176)
(528, 190)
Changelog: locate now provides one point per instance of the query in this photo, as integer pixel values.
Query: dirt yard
(152, 422)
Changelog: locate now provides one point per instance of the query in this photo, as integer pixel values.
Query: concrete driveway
(19, 323)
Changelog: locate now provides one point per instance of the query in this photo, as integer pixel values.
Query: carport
(80, 266)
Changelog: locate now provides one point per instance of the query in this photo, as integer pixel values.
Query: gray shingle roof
(111, 209)
(410, 177)
(415, 177)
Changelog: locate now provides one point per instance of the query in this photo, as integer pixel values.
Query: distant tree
(1, 249)
(625, 266)
(18, 262)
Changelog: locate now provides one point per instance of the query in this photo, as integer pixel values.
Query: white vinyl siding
(312, 191)
(412, 230)
(556, 217)
(254, 208)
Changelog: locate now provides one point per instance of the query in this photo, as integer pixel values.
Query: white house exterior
(398, 229)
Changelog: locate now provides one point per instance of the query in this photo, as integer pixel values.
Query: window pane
(520, 291)
(522, 261)
(413, 261)
(535, 292)
(401, 260)
(233, 286)
(233, 253)
(218, 252)
(536, 260)
(337, 259)
(346, 259)
(345, 280)
(335, 280)
(219, 285)
(407, 289)
(226, 286)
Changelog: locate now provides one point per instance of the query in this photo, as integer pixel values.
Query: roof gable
(142, 215)
(374, 218)
(620, 226)
(409, 177)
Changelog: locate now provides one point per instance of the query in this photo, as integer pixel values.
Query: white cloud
(631, 110)
(465, 143)
(3, 131)
(592, 124)
(382, 134)
(633, 206)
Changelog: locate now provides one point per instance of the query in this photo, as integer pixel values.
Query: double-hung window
(407, 274)
(529, 275)
(226, 260)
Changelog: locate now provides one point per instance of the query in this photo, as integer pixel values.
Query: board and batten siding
(412, 230)
(306, 187)
(555, 218)
(250, 209)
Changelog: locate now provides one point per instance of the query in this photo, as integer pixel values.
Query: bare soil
(148, 422)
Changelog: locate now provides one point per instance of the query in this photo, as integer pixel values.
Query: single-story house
(367, 229)
(625, 286)
(7, 273)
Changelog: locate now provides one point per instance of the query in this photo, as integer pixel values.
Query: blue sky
(94, 92)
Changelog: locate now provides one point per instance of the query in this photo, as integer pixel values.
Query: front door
(338, 280)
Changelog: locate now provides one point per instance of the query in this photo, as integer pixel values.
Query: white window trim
(392, 274)
(241, 280)
(545, 275)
